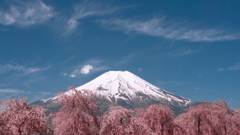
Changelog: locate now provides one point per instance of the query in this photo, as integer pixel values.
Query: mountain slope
(128, 90)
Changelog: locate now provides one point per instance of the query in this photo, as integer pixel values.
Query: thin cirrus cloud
(185, 51)
(125, 60)
(181, 52)
(41, 95)
(85, 10)
(21, 68)
(12, 91)
(175, 83)
(26, 13)
(232, 68)
(44, 93)
(160, 27)
(162, 83)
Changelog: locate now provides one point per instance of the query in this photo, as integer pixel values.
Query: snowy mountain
(128, 90)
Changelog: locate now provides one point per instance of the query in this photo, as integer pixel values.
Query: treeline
(80, 115)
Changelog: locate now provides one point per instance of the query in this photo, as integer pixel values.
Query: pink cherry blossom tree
(210, 119)
(121, 121)
(158, 118)
(19, 118)
(78, 116)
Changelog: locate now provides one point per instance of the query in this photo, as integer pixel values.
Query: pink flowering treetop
(121, 121)
(78, 116)
(210, 119)
(158, 118)
(20, 118)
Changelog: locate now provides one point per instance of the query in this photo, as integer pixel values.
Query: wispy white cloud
(160, 27)
(44, 93)
(234, 67)
(161, 83)
(64, 74)
(101, 68)
(172, 83)
(73, 74)
(85, 10)
(86, 69)
(90, 66)
(26, 13)
(125, 60)
(180, 52)
(32, 80)
(41, 95)
(21, 68)
(11, 91)
(188, 51)
(95, 61)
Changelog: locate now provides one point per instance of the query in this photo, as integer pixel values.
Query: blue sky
(190, 48)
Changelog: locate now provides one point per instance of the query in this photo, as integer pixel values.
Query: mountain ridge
(128, 90)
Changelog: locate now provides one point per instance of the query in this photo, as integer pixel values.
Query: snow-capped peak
(114, 85)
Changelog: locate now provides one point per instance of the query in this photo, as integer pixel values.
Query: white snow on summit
(127, 86)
